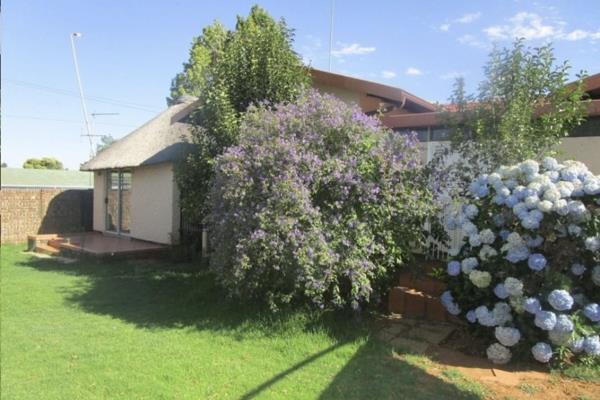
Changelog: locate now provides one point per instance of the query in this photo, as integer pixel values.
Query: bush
(318, 201)
(529, 276)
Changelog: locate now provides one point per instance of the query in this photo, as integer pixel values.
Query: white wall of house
(154, 205)
(99, 205)
(346, 95)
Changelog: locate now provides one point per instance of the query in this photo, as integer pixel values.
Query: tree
(105, 141)
(522, 110)
(43, 163)
(256, 65)
(4, 165)
(206, 50)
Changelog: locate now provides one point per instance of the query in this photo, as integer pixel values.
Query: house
(583, 144)
(135, 193)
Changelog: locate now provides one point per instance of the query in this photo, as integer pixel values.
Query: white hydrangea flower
(502, 313)
(498, 354)
(487, 236)
(529, 167)
(487, 252)
(481, 279)
(513, 286)
(545, 206)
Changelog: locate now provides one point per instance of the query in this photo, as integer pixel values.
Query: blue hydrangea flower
(507, 336)
(578, 269)
(545, 320)
(485, 316)
(469, 264)
(576, 345)
(542, 352)
(517, 254)
(500, 291)
(453, 268)
(560, 300)
(532, 305)
(564, 324)
(448, 302)
(591, 345)
(471, 317)
(537, 262)
(471, 211)
(592, 311)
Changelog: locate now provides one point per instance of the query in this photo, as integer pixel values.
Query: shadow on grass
(162, 295)
(159, 294)
(373, 373)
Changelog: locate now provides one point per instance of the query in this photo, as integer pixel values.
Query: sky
(131, 49)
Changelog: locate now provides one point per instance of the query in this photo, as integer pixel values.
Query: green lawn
(162, 330)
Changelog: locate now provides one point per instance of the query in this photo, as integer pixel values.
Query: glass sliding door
(118, 194)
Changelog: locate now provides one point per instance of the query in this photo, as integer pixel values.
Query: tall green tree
(523, 109)
(205, 51)
(256, 65)
(105, 141)
(43, 163)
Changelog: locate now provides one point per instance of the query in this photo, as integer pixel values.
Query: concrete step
(46, 249)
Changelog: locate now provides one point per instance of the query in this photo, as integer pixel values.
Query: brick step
(413, 303)
(56, 243)
(425, 284)
(46, 249)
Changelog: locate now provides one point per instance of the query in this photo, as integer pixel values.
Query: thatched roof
(165, 138)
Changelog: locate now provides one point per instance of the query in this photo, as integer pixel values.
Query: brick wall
(27, 211)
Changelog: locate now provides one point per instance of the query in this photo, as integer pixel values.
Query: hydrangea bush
(528, 272)
(318, 201)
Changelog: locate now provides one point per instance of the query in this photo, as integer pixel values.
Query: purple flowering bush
(318, 201)
(527, 275)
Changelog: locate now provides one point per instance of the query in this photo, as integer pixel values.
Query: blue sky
(131, 49)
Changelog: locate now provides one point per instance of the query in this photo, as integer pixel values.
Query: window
(440, 134)
(590, 127)
(422, 133)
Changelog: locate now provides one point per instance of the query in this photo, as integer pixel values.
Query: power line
(66, 92)
(61, 120)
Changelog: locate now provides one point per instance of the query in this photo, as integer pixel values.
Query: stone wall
(27, 211)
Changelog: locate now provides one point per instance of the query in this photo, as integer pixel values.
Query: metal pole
(331, 33)
(83, 106)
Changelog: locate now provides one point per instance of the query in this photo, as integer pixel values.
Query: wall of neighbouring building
(30, 210)
(346, 95)
(584, 149)
(154, 204)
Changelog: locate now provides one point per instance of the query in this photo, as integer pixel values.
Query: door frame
(108, 185)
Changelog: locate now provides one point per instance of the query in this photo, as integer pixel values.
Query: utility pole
(331, 33)
(86, 119)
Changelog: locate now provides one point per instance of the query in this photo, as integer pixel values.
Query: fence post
(204, 242)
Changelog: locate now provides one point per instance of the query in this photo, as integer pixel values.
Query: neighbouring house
(583, 144)
(135, 193)
(38, 201)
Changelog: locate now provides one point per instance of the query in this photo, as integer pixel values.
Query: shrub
(318, 201)
(529, 272)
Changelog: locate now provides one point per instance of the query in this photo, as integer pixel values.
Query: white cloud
(452, 75)
(580, 34)
(468, 18)
(471, 40)
(532, 26)
(525, 25)
(413, 71)
(352, 49)
(388, 74)
(445, 27)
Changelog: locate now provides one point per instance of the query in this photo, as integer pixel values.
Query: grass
(160, 330)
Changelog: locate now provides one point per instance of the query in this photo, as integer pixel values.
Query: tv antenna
(88, 127)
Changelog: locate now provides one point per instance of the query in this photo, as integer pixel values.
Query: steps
(46, 249)
(419, 297)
